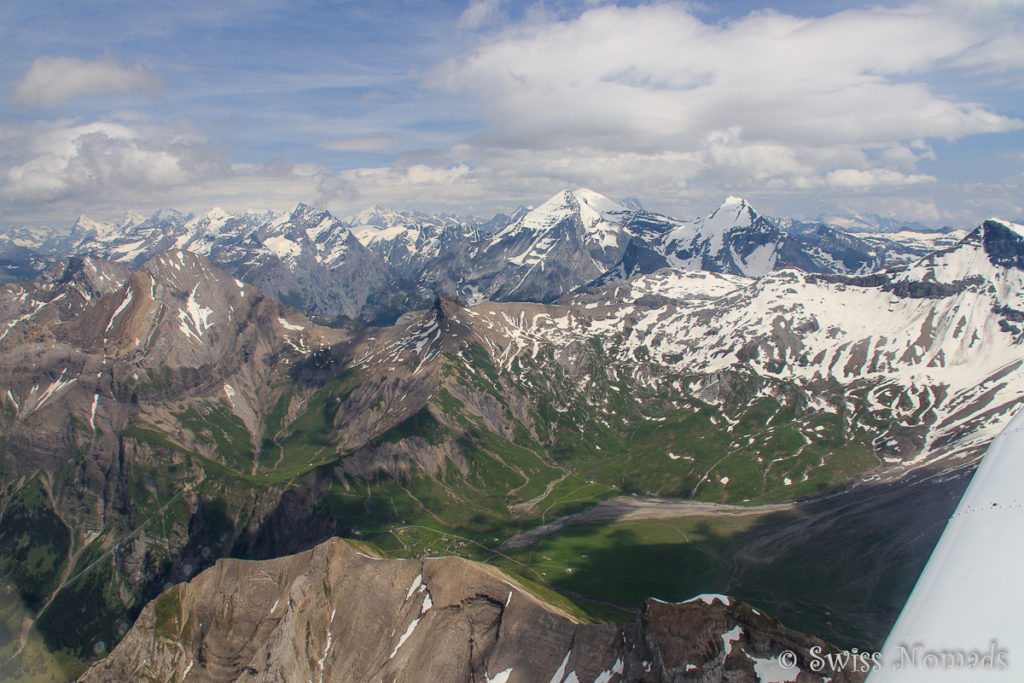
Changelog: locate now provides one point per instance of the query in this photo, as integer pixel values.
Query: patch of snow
(759, 262)
(230, 392)
(282, 247)
(597, 201)
(55, 387)
(770, 671)
(427, 603)
(606, 676)
(500, 677)
(405, 636)
(416, 583)
(289, 326)
(195, 318)
(560, 672)
(730, 637)
(709, 599)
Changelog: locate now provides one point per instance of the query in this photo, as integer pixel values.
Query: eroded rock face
(334, 613)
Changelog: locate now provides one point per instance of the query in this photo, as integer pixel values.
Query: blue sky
(914, 111)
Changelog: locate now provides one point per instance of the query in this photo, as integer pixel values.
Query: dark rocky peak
(446, 304)
(501, 220)
(649, 225)
(639, 257)
(305, 224)
(306, 216)
(1003, 242)
(453, 319)
(88, 274)
(988, 259)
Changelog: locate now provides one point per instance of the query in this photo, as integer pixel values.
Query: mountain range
(379, 262)
(706, 420)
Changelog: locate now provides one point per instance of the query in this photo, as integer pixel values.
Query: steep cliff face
(118, 389)
(334, 613)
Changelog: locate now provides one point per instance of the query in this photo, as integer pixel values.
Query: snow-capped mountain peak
(588, 205)
(378, 216)
(217, 213)
(734, 212)
(733, 200)
(86, 227)
(597, 201)
(991, 256)
(544, 217)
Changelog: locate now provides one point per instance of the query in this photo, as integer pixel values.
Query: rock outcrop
(334, 613)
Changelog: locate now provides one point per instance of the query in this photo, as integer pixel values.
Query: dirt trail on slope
(626, 508)
(527, 505)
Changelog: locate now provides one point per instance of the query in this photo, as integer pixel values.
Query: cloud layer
(54, 80)
(769, 99)
(48, 162)
(880, 109)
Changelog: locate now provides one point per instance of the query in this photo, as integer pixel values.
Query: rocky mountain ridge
(407, 241)
(305, 256)
(336, 613)
(381, 260)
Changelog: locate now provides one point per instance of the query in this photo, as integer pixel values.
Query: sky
(913, 111)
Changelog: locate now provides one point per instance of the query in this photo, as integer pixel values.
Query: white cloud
(429, 187)
(1000, 54)
(650, 101)
(51, 161)
(52, 171)
(864, 179)
(901, 157)
(480, 13)
(54, 80)
(919, 210)
(768, 101)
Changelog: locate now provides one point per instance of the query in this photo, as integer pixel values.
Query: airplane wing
(964, 620)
